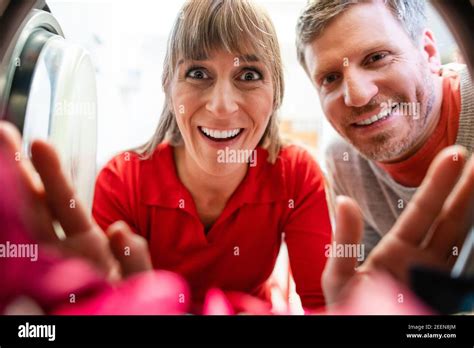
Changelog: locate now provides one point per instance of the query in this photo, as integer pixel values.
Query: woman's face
(222, 107)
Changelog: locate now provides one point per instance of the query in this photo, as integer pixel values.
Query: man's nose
(223, 99)
(359, 89)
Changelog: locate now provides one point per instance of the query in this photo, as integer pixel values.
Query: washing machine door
(48, 90)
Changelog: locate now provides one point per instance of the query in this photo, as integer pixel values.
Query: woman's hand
(50, 199)
(429, 232)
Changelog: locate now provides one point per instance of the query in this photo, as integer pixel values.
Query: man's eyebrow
(248, 58)
(326, 68)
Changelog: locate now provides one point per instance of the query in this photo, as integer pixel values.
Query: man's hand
(429, 232)
(50, 198)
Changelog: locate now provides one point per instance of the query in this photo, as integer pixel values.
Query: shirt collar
(160, 185)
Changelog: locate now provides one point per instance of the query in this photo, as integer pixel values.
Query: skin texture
(356, 66)
(216, 94)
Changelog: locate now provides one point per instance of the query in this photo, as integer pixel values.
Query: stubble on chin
(384, 147)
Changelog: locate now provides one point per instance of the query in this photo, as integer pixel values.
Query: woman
(214, 190)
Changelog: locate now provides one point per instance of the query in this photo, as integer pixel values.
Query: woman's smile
(221, 138)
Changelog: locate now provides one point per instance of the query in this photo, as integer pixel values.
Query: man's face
(375, 87)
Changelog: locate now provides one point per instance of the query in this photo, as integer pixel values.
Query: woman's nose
(223, 99)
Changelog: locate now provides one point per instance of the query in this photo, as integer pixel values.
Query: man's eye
(375, 57)
(250, 75)
(328, 79)
(198, 74)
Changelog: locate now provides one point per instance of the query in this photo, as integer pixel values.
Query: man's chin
(385, 151)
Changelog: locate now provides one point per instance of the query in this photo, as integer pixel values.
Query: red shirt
(239, 251)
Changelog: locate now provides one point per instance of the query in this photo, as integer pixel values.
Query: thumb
(339, 270)
(130, 249)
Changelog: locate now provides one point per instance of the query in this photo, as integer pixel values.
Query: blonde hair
(237, 26)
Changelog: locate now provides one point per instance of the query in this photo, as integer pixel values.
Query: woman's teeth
(220, 134)
(383, 114)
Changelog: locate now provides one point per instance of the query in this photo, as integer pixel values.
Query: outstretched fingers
(60, 195)
(349, 228)
(415, 222)
(130, 249)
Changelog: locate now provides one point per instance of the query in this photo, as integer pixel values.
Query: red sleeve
(308, 228)
(113, 194)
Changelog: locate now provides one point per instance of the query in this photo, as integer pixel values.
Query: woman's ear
(430, 51)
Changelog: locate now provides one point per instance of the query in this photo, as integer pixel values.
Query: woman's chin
(224, 162)
(215, 168)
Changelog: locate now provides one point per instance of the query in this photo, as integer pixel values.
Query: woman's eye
(250, 75)
(375, 57)
(198, 74)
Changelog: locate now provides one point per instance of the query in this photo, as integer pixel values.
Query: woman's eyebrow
(248, 58)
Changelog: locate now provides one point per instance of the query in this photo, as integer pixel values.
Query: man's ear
(430, 51)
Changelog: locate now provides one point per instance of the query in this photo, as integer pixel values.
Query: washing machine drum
(48, 90)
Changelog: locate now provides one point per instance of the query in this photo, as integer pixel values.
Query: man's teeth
(220, 134)
(374, 118)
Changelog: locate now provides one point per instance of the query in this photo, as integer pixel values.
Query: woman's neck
(206, 188)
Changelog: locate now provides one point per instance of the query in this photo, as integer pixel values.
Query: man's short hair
(317, 14)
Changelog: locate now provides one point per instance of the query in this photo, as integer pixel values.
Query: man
(381, 86)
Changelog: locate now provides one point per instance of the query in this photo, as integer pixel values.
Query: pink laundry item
(148, 293)
(216, 303)
(71, 285)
